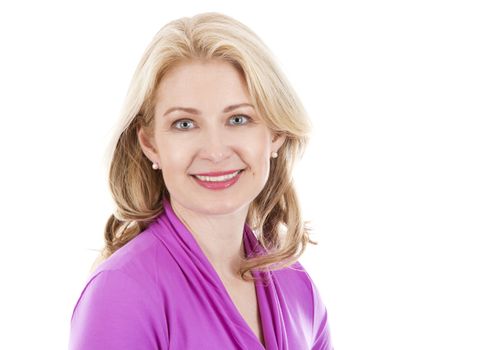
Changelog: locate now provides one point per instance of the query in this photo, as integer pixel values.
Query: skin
(184, 143)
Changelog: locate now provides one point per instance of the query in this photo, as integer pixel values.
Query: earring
(274, 154)
(155, 165)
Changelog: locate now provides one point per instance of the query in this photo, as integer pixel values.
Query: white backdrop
(402, 178)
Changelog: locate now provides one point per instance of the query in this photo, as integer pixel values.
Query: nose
(215, 146)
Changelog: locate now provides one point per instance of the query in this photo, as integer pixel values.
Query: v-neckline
(237, 311)
(221, 286)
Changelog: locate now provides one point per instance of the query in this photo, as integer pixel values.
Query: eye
(187, 124)
(239, 119)
(183, 124)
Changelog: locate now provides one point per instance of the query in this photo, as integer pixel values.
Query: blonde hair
(275, 214)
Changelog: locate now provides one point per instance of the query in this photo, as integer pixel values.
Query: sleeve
(321, 331)
(114, 312)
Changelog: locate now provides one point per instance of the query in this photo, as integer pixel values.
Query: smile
(218, 178)
(218, 182)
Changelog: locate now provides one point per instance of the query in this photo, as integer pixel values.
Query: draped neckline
(174, 231)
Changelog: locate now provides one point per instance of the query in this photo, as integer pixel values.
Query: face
(213, 147)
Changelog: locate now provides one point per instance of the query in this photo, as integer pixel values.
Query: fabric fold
(160, 291)
(191, 259)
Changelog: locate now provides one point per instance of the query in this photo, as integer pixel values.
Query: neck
(219, 236)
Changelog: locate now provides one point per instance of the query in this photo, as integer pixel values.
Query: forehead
(200, 83)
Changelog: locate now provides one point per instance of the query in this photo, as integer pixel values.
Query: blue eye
(239, 119)
(183, 124)
(235, 120)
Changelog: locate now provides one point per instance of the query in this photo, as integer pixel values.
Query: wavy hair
(138, 190)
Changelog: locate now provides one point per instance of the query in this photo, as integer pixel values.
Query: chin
(222, 208)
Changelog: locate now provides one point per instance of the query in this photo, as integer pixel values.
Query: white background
(402, 179)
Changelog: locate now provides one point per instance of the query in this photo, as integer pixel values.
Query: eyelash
(248, 120)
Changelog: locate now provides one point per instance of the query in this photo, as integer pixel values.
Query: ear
(148, 146)
(277, 141)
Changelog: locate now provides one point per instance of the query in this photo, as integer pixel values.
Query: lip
(220, 185)
(218, 173)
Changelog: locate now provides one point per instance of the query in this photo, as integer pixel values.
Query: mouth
(221, 176)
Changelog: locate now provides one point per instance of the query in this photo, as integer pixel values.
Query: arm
(115, 312)
(322, 338)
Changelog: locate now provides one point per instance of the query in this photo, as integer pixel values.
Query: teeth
(217, 178)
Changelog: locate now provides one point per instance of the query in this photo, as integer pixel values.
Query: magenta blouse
(160, 291)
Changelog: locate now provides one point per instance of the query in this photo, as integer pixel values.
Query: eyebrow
(196, 111)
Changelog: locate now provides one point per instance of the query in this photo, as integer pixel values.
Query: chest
(243, 295)
(204, 315)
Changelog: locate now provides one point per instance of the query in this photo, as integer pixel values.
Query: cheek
(175, 157)
(257, 157)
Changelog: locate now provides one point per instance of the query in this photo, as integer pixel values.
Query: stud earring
(274, 154)
(155, 165)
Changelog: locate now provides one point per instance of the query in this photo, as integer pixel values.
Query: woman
(202, 251)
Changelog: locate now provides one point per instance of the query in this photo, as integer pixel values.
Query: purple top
(160, 291)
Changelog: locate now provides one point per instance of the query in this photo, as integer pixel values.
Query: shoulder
(300, 284)
(304, 299)
(115, 312)
(136, 261)
(296, 289)
(120, 303)
(136, 258)
(133, 264)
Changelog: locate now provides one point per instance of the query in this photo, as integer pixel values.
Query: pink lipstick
(218, 180)
(219, 173)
